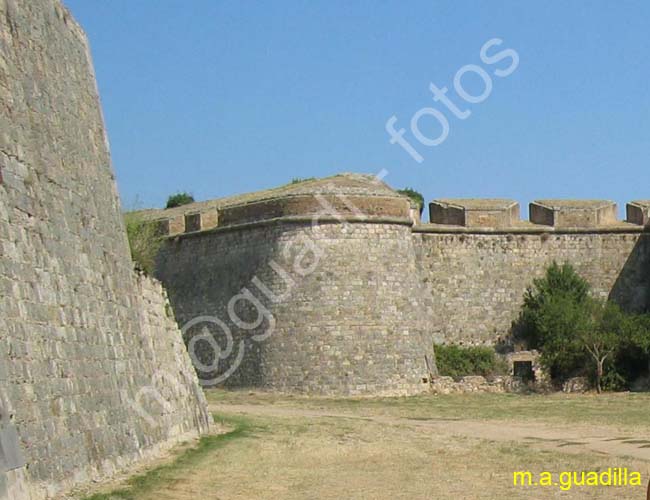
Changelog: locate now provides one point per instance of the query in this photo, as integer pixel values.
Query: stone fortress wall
(332, 266)
(386, 286)
(93, 371)
(478, 270)
(328, 286)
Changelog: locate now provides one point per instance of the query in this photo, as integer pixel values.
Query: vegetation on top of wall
(179, 199)
(298, 180)
(415, 196)
(144, 241)
(459, 361)
(579, 335)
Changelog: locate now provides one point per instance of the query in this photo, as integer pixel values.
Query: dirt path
(460, 448)
(574, 439)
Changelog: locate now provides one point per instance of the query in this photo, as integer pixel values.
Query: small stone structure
(477, 383)
(576, 384)
(573, 213)
(638, 212)
(526, 365)
(495, 213)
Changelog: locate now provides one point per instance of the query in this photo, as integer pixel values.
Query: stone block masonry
(478, 275)
(326, 286)
(93, 371)
(350, 326)
(385, 287)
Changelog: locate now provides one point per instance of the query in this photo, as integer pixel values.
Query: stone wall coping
(477, 204)
(622, 227)
(562, 204)
(640, 203)
(296, 219)
(344, 184)
(313, 195)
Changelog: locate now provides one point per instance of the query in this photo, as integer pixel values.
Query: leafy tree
(639, 327)
(178, 199)
(415, 196)
(555, 328)
(637, 346)
(574, 331)
(603, 336)
(552, 305)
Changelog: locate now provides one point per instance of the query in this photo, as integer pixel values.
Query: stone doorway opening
(524, 370)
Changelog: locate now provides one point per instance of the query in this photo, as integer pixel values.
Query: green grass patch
(168, 473)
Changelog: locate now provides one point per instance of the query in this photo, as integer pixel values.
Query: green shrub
(555, 308)
(144, 241)
(298, 180)
(178, 199)
(613, 381)
(458, 361)
(415, 196)
(551, 305)
(580, 335)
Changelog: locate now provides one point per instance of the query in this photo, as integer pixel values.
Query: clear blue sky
(217, 98)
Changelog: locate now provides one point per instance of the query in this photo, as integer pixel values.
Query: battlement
(573, 213)
(343, 197)
(385, 279)
(472, 212)
(362, 198)
(484, 215)
(638, 212)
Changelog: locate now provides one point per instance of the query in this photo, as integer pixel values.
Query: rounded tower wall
(328, 308)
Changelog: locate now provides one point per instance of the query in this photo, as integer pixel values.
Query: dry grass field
(440, 447)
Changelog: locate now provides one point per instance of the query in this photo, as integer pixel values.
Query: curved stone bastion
(334, 286)
(312, 287)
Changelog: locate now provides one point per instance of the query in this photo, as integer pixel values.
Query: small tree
(415, 196)
(178, 199)
(551, 305)
(555, 328)
(571, 329)
(638, 335)
(603, 336)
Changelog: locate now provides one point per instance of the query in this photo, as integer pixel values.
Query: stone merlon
(573, 213)
(355, 197)
(638, 212)
(471, 212)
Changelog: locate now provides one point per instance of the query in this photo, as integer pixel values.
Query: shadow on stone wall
(631, 290)
(202, 276)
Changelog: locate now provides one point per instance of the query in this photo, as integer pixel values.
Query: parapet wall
(477, 280)
(502, 215)
(345, 196)
(93, 371)
(479, 262)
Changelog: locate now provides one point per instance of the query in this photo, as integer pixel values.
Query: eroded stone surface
(84, 342)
